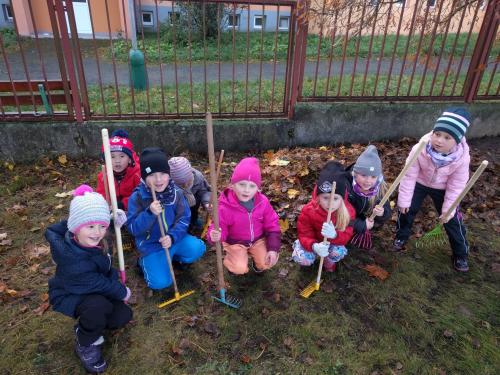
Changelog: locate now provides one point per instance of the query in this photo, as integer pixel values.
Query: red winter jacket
(125, 187)
(311, 220)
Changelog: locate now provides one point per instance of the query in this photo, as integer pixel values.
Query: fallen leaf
(3, 236)
(211, 328)
(447, 333)
(486, 324)
(37, 251)
(41, 309)
(46, 270)
(284, 225)
(323, 148)
(292, 193)
(44, 297)
(191, 320)
(283, 272)
(399, 366)
(11, 292)
(5, 242)
(64, 194)
(59, 206)
(288, 342)
(376, 271)
(34, 267)
(279, 163)
(177, 351)
(35, 229)
(62, 159)
(245, 358)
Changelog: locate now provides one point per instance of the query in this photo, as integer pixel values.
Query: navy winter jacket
(80, 271)
(143, 224)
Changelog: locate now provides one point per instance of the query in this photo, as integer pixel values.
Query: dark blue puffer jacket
(80, 271)
(143, 224)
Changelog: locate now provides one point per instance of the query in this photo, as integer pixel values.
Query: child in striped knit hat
(85, 286)
(193, 184)
(441, 171)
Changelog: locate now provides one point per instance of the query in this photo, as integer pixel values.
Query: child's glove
(321, 249)
(328, 230)
(129, 293)
(378, 210)
(120, 218)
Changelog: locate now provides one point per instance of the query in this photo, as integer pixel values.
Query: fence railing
(85, 60)
(414, 50)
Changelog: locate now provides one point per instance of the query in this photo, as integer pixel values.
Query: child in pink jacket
(441, 171)
(248, 223)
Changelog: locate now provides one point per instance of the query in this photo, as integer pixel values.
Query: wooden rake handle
(328, 218)
(387, 195)
(114, 203)
(467, 187)
(167, 253)
(215, 203)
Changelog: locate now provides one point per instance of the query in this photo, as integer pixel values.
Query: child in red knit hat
(126, 170)
(248, 223)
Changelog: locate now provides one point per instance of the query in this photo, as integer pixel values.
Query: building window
(147, 19)
(431, 3)
(483, 4)
(233, 21)
(374, 3)
(7, 12)
(259, 22)
(400, 3)
(284, 22)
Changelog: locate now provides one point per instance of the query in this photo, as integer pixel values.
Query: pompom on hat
(455, 121)
(87, 208)
(247, 169)
(180, 170)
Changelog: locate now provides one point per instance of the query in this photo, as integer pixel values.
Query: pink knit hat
(247, 169)
(180, 170)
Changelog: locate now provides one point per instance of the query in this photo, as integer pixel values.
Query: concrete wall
(313, 125)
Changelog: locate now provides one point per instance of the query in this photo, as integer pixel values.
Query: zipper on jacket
(251, 227)
(434, 174)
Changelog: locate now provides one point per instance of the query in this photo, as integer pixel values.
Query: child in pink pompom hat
(248, 223)
(85, 286)
(194, 185)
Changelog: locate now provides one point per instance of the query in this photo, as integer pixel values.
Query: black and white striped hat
(454, 121)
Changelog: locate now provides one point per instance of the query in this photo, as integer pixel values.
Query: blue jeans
(155, 266)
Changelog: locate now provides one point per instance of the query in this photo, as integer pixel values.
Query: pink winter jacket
(452, 177)
(242, 227)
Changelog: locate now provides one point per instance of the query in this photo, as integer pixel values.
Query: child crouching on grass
(249, 225)
(174, 212)
(194, 185)
(441, 171)
(312, 226)
(126, 172)
(86, 287)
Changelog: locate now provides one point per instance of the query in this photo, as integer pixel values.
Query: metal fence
(413, 50)
(90, 59)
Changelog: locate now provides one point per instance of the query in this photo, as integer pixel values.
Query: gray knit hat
(455, 121)
(180, 170)
(87, 208)
(368, 162)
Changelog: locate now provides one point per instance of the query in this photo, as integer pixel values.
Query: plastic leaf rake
(227, 300)
(437, 236)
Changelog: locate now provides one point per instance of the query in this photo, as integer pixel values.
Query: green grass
(262, 47)
(355, 324)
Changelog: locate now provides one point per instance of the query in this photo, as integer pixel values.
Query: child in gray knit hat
(194, 185)
(365, 190)
(85, 286)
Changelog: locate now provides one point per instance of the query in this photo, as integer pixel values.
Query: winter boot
(91, 356)
(460, 264)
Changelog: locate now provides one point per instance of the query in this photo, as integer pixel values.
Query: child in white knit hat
(85, 286)
(193, 184)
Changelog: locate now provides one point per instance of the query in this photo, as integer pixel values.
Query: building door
(82, 17)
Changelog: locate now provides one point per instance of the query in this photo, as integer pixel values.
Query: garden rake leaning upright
(437, 235)
(177, 296)
(364, 240)
(228, 300)
(314, 285)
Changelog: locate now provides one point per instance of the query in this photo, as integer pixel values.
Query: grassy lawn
(424, 319)
(262, 47)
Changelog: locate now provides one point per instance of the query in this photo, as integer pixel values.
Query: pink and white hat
(180, 170)
(87, 208)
